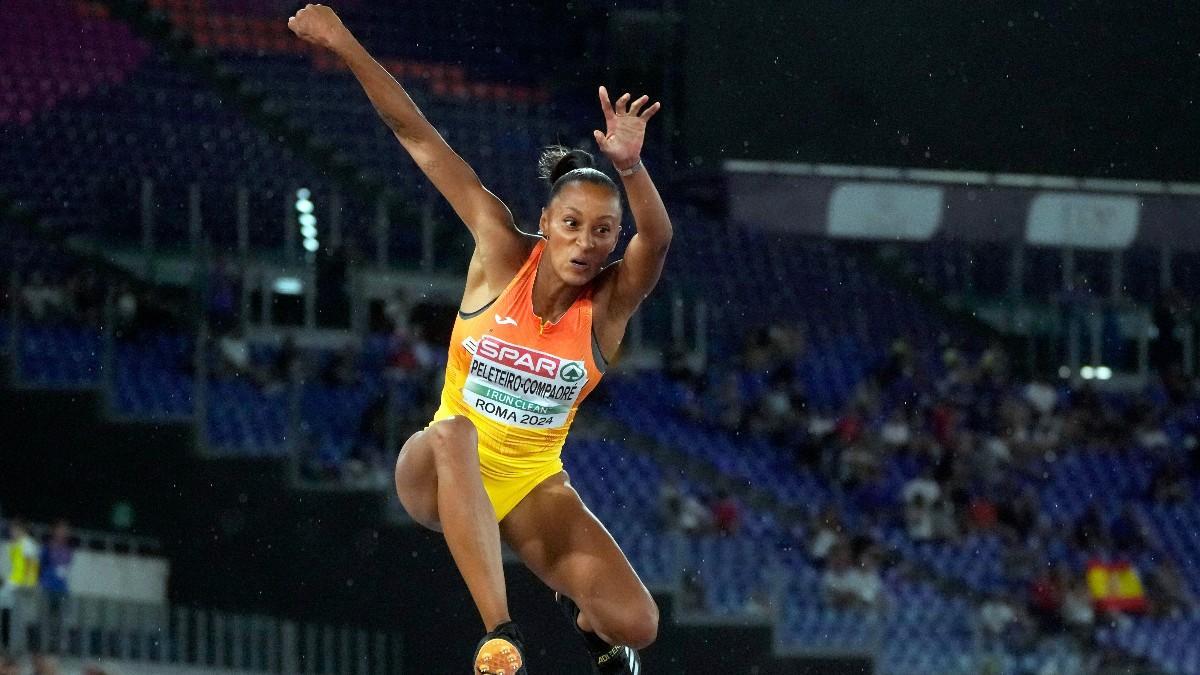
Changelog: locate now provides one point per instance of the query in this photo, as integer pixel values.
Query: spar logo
(520, 358)
(572, 372)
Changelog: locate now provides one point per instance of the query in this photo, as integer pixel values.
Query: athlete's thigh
(416, 479)
(567, 547)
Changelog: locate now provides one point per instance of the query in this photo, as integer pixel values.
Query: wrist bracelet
(637, 166)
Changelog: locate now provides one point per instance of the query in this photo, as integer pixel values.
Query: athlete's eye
(569, 222)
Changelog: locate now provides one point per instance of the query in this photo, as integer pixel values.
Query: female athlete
(538, 319)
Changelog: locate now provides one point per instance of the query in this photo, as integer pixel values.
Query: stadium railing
(89, 628)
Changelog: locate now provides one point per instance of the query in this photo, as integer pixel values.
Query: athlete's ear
(542, 224)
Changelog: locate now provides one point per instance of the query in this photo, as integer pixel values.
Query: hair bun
(557, 160)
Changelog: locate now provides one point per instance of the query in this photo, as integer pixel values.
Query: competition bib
(520, 386)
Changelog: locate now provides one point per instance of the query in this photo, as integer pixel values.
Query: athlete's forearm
(393, 104)
(649, 214)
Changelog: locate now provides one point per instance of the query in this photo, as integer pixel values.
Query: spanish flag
(1115, 586)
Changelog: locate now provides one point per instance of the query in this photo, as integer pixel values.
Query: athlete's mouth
(579, 264)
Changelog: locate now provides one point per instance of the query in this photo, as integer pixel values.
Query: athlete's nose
(586, 240)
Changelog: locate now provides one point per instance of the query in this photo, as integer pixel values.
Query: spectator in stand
(1018, 516)
(1046, 592)
(224, 297)
(1169, 485)
(55, 569)
(44, 301)
(234, 352)
(21, 557)
(23, 554)
(1091, 534)
(694, 518)
(87, 294)
(284, 365)
(1168, 593)
(1078, 614)
(997, 616)
(127, 317)
(848, 585)
(827, 531)
(694, 597)
(731, 412)
(896, 432)
(838, 581)
(726, 513)
(343, 369)
(1128, 533)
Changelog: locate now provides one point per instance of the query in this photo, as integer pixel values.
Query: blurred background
(917, 392)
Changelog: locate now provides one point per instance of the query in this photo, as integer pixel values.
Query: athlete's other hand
(626, 122)
(319, 25)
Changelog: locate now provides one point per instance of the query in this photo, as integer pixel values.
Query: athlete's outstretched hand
(319, 25)
(626, 121)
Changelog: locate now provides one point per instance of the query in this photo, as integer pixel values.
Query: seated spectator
(922, 485)
(694, 598)
(283, 366)
(1090, 531)
(895, 432)
(670, 504)
(1169, 485)
(1168, 593)
(234, 352)
(731, 411)
(43, 301)
(726, 513)
(1046, 591)
(1019, 515)
(342, 370)
(1078, 614)
(852, 586)
(1128, 532)
(945, 520)
(996, 616)
(839, 580)
(693, 517)
(827, 531)
(919, 518)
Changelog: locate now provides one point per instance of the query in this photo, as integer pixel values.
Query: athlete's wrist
(630, 168)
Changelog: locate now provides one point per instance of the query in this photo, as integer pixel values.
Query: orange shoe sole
(498, 657)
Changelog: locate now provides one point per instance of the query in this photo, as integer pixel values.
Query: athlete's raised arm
(642, 265)
(497, 238)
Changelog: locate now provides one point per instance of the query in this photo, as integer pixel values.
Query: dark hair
(560, 166)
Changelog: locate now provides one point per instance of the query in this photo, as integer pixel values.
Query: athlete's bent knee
(455, 441)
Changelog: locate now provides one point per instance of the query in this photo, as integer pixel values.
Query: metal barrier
(89, 628)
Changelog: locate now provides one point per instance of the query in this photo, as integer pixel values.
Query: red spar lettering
(520, 358)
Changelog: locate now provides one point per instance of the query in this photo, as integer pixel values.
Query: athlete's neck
(552, 296)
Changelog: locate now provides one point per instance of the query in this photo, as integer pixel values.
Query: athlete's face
(581, 225)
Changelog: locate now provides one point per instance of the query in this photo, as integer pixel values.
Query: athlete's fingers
(651, 110)
(623, 104)
(599, 136)
(637, 105)
(605, 104)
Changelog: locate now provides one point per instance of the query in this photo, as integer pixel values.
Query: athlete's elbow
(658, 239)
(642, 630)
